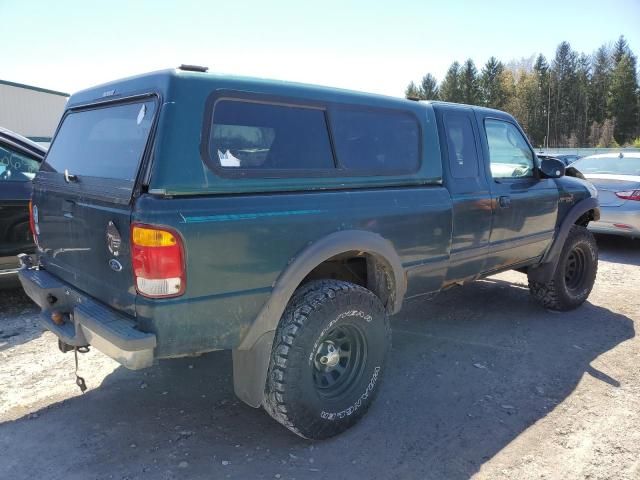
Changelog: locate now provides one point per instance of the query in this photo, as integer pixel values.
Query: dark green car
(182, 212)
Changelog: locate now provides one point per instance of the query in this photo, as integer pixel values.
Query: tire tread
(550, 295)
(306, 300)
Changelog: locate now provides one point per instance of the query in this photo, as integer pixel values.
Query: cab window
(509, 152)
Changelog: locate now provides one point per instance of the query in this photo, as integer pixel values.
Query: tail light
(629, 195)
(623, 226)
(33, 221)
(157, 256)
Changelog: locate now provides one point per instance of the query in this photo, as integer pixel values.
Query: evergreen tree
(563, 78)
(427, 90)
(492, 85)
(582, 87)
(450, 90)
(470, 84)
(600, 80)
(412, 91)
(622, 101)
(577, 100)
(620, 49)
(429, 87)
(538, 128)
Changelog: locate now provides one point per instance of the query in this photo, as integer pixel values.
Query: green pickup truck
(182, 212)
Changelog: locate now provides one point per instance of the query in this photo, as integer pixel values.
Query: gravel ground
(482, 383)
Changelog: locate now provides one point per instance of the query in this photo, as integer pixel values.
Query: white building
(32, 112)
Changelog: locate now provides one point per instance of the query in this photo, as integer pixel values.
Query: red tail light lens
(623, 226)
(629, 195)
(33, 221)
(157, 257)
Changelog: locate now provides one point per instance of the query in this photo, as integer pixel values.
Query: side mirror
(551, 168)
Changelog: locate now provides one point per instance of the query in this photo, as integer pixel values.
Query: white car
(617, 178)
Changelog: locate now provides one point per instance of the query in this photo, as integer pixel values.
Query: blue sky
(364, 45)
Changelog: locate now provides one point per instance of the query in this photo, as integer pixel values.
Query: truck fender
(543, 272)
(251, 358)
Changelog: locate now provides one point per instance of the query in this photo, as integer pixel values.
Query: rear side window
(376, 141)
(251, 135)
(461, 144)
(105, 142)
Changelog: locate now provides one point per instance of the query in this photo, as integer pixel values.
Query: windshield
(608, 165)
(16, 167)
(105, 142)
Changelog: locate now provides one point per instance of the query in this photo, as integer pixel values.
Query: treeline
(576, 100)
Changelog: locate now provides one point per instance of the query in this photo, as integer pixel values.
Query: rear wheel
(574, 276)
(327, 358)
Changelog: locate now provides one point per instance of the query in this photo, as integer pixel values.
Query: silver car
(617, 178)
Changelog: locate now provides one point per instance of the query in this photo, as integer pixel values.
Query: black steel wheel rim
(339, 360)
(575, 269)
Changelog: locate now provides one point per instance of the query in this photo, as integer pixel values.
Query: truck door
(17, 169)
(468, 187)
(525, 207)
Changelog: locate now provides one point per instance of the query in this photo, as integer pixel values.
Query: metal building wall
(30, 111)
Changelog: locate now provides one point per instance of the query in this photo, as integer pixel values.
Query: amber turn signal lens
(151, 237)
(157, 258)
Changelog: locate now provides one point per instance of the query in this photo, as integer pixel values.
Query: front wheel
(574, 276)
(327, 358)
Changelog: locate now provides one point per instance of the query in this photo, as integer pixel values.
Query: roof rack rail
(193, 68)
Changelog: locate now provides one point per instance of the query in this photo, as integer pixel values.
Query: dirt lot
(482, 383)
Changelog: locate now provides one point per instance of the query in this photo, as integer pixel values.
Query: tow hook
(79, 380)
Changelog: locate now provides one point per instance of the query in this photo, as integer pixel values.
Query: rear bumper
(86, 321)
(617, 221)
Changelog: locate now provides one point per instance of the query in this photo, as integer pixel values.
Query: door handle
(67, 208)
(504, 201)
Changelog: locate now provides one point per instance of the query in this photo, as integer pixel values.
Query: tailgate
(82, 198)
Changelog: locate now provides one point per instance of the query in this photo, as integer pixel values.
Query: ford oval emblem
(115, 265)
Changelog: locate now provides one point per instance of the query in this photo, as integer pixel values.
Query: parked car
(617, 178)
(181, 212)
(19, 161)
(567, 159)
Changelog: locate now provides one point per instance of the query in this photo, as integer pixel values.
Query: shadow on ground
(469, 371)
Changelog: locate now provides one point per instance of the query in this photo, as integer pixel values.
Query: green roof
(31, 87)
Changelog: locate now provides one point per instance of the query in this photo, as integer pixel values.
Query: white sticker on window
(141, 114)
(227, 159)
